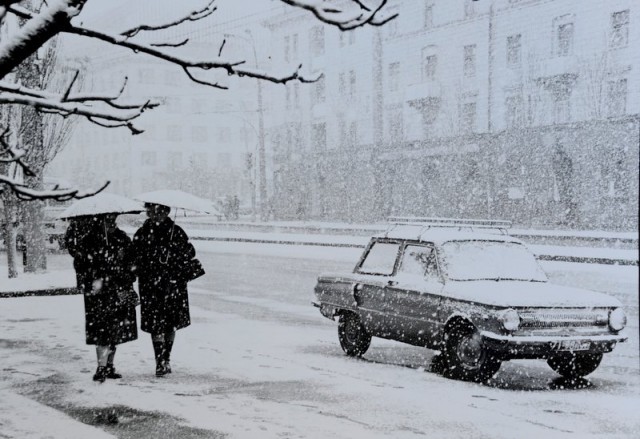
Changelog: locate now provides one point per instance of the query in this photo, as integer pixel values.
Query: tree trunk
(9, 233)
(34, 236)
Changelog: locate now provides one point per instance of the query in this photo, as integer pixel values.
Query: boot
(168, 345)
(112, 373)
(158, 349)
(101, 374)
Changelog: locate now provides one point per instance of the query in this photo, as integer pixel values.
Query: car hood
(507, 293)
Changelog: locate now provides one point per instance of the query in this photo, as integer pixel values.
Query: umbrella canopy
(178, 200)
(101, 204)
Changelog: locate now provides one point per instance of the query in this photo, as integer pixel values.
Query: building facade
(518, 109)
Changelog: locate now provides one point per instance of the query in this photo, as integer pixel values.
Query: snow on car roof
(439, 235)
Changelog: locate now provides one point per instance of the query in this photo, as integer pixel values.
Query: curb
(43, 292)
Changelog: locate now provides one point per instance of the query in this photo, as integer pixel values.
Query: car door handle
(392, 283)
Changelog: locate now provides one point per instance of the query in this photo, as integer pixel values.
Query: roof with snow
(439, 234)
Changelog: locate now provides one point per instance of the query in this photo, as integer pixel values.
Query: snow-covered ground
(260, 362)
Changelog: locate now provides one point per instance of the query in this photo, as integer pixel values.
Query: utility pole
(262, 165)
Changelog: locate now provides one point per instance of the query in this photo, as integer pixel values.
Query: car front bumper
(512, 347)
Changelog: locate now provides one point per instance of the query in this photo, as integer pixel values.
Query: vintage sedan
(477, 296)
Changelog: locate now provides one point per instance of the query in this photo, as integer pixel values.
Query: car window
(419, 260)
(380, 259)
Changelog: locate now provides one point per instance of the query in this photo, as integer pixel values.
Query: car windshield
(491, 260)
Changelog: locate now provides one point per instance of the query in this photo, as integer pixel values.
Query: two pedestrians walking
(107, 263)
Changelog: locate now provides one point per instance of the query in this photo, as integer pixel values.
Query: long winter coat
(161, 253)
(108, 322)
(73, 240)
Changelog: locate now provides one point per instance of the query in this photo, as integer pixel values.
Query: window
(224, 134)
(146, 76)
(319, 136)
(394, 76)
(287, 96)
(380, 259)
(418, 260)
(149, 158)
(175, 160)
(199, 134)
(562, 110)
(428, 15)
(343, 132)
(353, 134)
(342, 88)
(287, 49)
(198, 105)
(513, 111)
(617, 97)
(347, 38)
(396, 125)
(513, 50)
(469, 67)
(352, 83)
(171, 78)
(429, 64)
(469, 8)
(296, 95)
(174, 105)
(174, 133)
(619, 29)
(224, 159)
(316, 40)
(468, 119)
(294, 47)
(565, 39)
(319, 92)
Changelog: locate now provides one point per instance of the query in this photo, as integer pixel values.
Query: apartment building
(522, 109)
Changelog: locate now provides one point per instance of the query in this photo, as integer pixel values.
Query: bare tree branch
(105, 109)
(40, 28)
(229, 66)
(14, 155)
(181, 43)
(193, 16)
(74, 107)
(345, 19)
(27, 194)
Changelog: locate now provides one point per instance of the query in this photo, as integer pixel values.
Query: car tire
(575, 365)
(466, 357)
(354, 338)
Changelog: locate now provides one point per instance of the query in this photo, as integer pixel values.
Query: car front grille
(563, 318)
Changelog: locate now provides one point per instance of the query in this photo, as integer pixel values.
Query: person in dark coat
(78, 228)
(161, 254)
(110, 314)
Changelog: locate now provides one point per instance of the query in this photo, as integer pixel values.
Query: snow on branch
(9, 154)
(188, 65)
(358, 15)
(25, 193)
(193, 16)
(68, 104)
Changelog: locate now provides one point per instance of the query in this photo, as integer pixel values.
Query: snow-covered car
(477, 296)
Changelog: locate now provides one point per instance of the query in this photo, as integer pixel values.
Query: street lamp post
(262, 166)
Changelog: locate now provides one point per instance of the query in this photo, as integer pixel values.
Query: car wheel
(466, 357)
(354, 338)
(576, 365)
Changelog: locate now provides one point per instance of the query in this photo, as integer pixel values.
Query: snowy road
(259, 361)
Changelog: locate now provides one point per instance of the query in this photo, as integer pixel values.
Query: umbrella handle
(166, 259)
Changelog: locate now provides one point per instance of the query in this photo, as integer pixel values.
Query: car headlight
(617, 319)
(510, 319)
